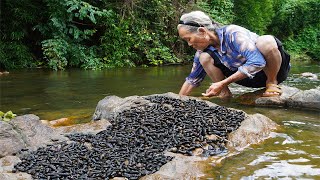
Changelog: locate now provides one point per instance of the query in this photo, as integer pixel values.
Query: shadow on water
(293, 153)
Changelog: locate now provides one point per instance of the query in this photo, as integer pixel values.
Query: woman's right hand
(214, 90)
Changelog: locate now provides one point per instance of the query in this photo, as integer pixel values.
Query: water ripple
(283, 169)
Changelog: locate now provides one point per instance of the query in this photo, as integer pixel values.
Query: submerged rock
(142, 131)
(4, 73)
(291, 97)
(309, 75)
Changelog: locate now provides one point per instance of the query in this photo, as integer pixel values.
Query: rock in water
(134, 145)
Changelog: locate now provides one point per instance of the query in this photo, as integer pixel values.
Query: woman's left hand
(214, 90)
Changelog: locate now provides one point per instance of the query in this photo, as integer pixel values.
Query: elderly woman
(232, 54)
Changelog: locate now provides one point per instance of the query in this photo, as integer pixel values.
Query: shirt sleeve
(247, 49)
(197, 72)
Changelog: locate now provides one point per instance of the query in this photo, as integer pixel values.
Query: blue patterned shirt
(237, 52)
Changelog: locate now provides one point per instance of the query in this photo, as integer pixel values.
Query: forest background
(98, 34)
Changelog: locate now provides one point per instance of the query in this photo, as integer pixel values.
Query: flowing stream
(292, 153)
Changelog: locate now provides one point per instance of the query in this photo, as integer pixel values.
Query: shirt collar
(221, 35)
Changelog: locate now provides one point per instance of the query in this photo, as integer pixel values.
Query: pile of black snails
(134, 145)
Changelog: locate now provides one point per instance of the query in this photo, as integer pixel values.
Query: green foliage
(61, 53)
(15, 55)
(306, 42)
(295, 15)
(297, 23)
(55, 50)
(252, 15)
(70, 28)
(117, 46)
(7, 116)
(142, 36)
(92, 34)
(220, 10)
(86, 57)
(15, 49)
(129, 50)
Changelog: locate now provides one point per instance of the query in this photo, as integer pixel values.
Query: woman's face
(196, 40)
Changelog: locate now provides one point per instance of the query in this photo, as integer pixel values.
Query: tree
(253, 15)
(16, 36)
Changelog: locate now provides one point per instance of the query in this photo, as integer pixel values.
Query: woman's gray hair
(195, 19)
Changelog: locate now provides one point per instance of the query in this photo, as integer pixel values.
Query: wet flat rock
(291, 97)
(154, 137)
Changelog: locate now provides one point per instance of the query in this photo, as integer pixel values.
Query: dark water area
(293, 153)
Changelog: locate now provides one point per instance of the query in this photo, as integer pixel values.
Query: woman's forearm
(233, 78)
(186, 89)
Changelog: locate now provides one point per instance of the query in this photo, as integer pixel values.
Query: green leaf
(1, 113)
(7, 116)
(91, 17)
(72, 8)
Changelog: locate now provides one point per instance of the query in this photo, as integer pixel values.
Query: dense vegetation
(95, 34)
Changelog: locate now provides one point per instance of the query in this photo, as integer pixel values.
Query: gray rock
(254, 129)
(10, 140)
(7, 163)
(181, 167)
(111, 105)
(6, 166)
(291, 97)
(33, 132)
(306, 99)
(29, 132)
(309, 75)
(25, 131)
(15, 176)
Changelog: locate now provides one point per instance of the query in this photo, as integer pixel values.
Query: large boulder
(29, 132)
(33, 132)
(25, 132)
(291, 97)
(254, 129)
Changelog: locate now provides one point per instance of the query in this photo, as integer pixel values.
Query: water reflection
(283, 169)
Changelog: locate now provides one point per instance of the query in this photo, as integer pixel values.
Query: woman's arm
(216, 88)
(195, 77)
(186, 89)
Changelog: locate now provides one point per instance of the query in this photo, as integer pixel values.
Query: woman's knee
(266, 44)
(205, 59)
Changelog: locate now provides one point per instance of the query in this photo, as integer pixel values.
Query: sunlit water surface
(292, 153)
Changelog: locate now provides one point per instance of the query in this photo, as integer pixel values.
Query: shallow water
(293, 153)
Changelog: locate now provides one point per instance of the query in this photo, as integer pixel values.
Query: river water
(292, 153)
